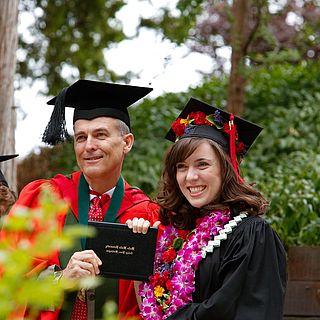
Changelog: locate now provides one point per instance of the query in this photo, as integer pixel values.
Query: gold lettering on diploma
(120, 249)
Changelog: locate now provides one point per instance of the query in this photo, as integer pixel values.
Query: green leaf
(177, 243)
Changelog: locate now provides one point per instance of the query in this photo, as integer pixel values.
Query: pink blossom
(182, 268)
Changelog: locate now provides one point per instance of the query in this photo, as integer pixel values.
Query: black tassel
(56, 131)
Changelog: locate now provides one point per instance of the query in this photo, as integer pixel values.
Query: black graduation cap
(91, 99)
(5, 158)
(214, 126)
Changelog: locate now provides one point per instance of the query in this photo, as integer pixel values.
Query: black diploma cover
(124, 254)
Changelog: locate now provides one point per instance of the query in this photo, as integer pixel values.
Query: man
(7, 196)
(102, 139)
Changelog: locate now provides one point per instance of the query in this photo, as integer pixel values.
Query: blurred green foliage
(67, 41)
(206, 26)
(284, 162)
(286, 159)
(21, 244)
(35, 233)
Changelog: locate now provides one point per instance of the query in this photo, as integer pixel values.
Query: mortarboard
(5, 158)
(199, 119)
(91, 99)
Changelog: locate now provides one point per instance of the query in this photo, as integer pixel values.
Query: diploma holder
(124, 254)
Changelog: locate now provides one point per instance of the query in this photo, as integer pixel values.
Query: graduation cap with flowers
(5, 158)
(199, 119)
(91, 99)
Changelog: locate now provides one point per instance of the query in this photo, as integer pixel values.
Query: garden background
(272, 78)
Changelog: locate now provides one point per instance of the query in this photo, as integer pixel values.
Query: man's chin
(91, 173)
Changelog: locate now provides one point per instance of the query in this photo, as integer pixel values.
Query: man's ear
(128, 139)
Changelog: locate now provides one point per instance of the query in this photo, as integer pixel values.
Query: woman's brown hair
(174, 207)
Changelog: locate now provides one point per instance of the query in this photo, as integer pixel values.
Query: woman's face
(199, 176)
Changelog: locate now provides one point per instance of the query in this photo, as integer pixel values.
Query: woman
(216, 258)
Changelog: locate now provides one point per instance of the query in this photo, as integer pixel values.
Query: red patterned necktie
(95, 213)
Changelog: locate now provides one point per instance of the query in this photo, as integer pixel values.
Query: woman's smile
(196, 191)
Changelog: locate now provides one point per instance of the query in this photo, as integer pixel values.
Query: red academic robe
(134, 204)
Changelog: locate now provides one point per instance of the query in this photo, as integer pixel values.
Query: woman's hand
(140, 225)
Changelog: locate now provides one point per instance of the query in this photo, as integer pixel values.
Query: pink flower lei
(173, 283)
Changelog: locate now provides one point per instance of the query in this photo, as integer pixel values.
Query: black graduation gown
(244, 279)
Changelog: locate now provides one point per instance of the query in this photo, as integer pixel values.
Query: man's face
(100, 148)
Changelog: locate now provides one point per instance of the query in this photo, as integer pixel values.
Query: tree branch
(255, 28)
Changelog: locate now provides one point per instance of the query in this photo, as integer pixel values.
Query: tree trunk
(8, 47)
(238, 40)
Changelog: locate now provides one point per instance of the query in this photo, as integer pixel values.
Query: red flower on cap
(178, 127)
(199, 117)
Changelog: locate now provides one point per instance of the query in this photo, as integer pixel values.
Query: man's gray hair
(123, 128)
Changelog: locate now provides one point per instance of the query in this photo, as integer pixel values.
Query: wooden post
(303, 290)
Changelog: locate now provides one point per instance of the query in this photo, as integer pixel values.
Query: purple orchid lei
(182, 269)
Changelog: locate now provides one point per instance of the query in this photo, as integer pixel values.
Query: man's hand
(82, 264)
(140, 225)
